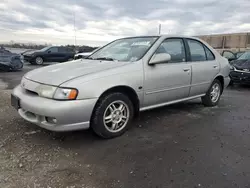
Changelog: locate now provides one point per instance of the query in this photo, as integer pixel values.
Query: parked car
(240, 68)
(10, 61)
(106, 92)
(230, 55)
(84, 54)
(49, 54)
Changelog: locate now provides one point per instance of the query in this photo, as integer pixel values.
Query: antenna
(75, 25)
(159, 29)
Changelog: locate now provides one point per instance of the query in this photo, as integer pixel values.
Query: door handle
(215, 66)
(186, 69)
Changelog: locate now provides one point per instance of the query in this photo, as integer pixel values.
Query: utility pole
(159, 29)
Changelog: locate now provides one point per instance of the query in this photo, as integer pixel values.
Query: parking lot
(179, 146)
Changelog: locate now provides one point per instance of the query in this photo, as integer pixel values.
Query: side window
(69, 50)
(197, 51)
(65, 49)
(210, 55)
(175, 48)
(61, 49)
(53, 49)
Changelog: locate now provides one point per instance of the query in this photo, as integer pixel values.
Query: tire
(103, 109)
(231, 83)
(208, 99)
(38, 60)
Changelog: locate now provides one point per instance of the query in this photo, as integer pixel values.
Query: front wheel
(213, 95)
(112, 115)
(39, 60)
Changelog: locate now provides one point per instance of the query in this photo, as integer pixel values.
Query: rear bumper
(69, 115)
(240, 77)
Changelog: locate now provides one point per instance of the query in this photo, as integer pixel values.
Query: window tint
(61, 49)
(175, 48)
(53, 49)
(70, 50)
(210, 55)
(196, 50)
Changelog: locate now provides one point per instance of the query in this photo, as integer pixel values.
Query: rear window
(210, 55)
(196, 50)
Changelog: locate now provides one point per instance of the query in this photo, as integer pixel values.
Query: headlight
(46, 91)
(56, 92)
(65, 94)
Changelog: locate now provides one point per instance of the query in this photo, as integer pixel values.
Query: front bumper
(241, 77)
(69, 115)
(226, 81)
(28, 58)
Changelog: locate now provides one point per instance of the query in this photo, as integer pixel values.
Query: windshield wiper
(105, 58)
(87, 57)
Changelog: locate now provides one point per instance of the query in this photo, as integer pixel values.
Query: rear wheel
(112, 115)
(212, 96)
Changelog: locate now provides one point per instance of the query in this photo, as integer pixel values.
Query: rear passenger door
(65, 54)
(204, 66)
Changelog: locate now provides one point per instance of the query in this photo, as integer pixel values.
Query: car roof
(165, 36)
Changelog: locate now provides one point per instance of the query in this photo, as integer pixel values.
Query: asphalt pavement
(185, 145)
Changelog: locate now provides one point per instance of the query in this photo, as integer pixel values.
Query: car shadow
(239, 87)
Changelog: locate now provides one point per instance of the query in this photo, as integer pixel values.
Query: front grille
(31, 92)
(29, 86)
(240, 76)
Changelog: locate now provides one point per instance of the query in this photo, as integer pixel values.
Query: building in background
(235, 42)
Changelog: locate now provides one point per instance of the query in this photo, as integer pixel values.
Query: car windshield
(239, 54)
(127, 49)
(245, 55)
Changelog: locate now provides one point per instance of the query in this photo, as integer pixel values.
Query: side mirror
(159, 58)
(49, 52)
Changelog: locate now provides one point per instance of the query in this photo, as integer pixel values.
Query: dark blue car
(49, 54)
(240, 67)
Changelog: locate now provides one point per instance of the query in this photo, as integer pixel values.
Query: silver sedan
(108, 89)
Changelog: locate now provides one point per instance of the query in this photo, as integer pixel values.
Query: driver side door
(52, 54)
(169, 81)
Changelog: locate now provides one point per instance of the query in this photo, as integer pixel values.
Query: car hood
(60, 73)
(241, 64)
(7, 57)
(29, 52)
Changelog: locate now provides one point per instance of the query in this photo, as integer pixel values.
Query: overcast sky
(100, 21)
